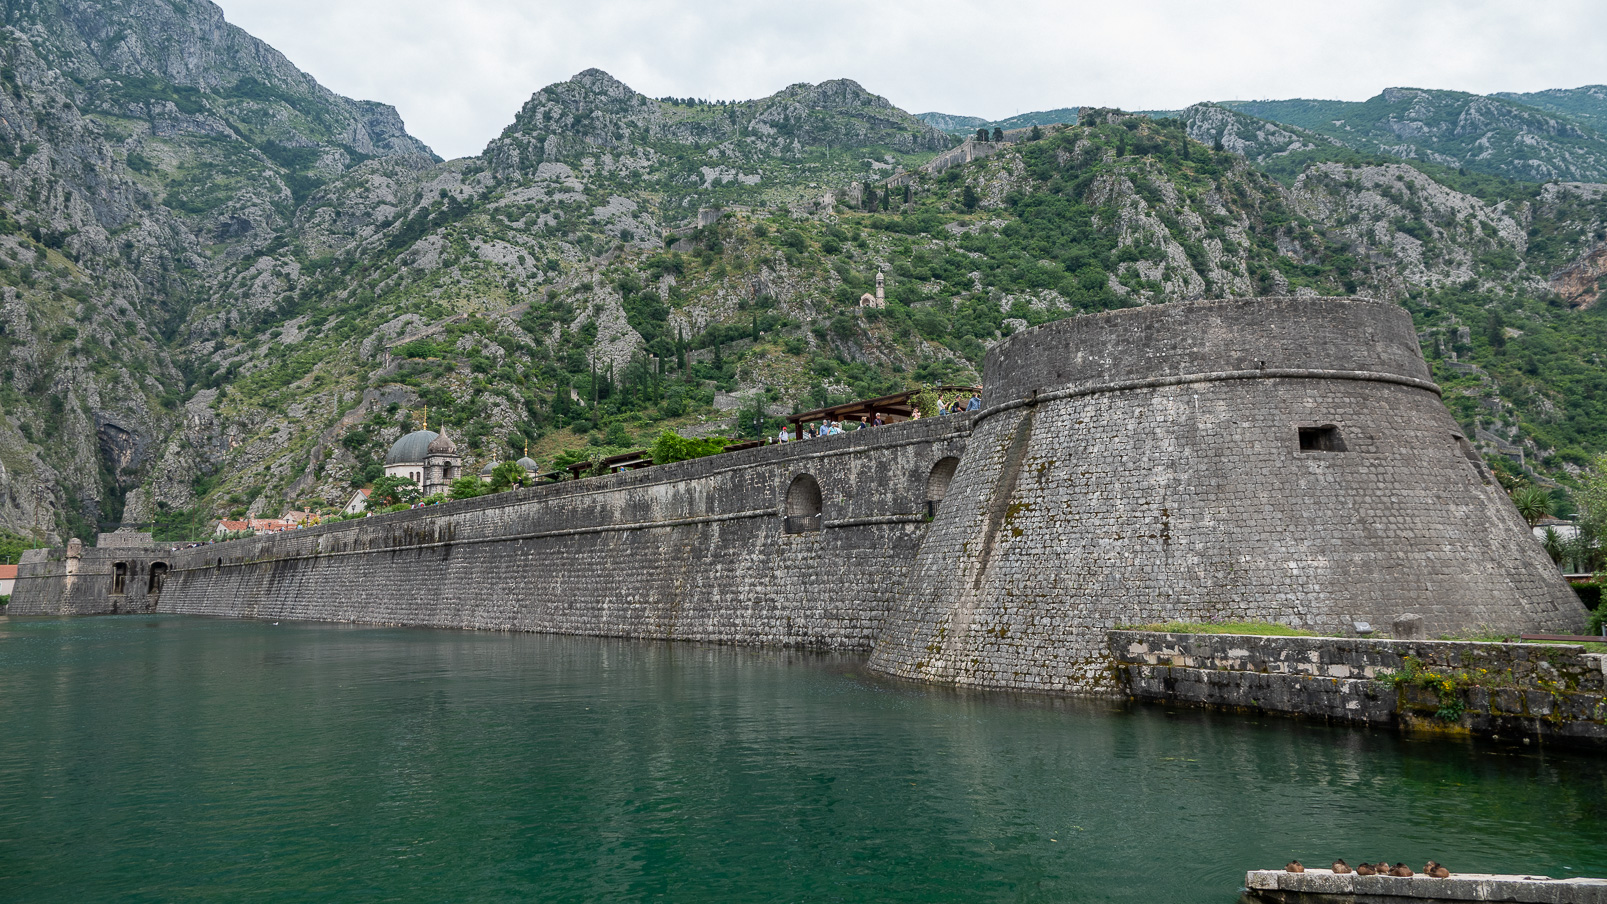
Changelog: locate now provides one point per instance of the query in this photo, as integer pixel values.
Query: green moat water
(183, 759)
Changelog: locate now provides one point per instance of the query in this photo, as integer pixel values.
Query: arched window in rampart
(937, 483)
(119, 578)
(803, 505)
(158, 577)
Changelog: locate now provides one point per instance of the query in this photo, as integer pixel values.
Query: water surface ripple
(185, 759)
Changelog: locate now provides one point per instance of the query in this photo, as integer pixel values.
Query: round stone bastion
(1271, 459)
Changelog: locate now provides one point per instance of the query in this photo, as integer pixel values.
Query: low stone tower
(1281, 459)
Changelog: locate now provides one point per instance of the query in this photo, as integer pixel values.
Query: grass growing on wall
(1267, 629)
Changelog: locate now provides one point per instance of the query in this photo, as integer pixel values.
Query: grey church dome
(529, 464)
(411, 448)
(489, 467)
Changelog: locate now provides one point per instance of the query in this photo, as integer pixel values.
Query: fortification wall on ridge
(1283, 459)
(698, 550)
(1147, 465)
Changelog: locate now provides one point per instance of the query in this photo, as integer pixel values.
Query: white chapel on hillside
(427, 458)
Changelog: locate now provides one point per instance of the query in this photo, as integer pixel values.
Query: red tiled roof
(8, 572)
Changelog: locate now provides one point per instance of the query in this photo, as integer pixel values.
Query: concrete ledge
(1321, 886)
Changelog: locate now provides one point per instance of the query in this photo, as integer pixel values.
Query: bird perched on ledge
(1364, 869)
(1402, 870)
(1341, 867)
(1294, 867)
(1436, 870)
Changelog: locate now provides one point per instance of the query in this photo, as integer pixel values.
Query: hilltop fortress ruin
(1282, 459)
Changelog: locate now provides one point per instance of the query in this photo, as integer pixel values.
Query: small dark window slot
(1321, 439)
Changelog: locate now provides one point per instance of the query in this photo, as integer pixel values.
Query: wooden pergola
(892, 408)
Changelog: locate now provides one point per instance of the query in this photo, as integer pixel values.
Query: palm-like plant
(1533, 503)
(1554, 546)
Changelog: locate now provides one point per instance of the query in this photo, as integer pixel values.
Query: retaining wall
(1552, 692)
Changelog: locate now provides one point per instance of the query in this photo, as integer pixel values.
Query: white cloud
(459, 71)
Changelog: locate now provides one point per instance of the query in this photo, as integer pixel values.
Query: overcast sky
(459, 70)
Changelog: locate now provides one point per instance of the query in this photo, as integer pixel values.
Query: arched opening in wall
(937, 483)
(220, 563)
(158, 577)
(119, 578)
(803, 505)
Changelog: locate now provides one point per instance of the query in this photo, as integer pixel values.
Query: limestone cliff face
(143, 147)
(211, 267)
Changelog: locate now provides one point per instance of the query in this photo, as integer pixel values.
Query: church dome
(529, 464)
(411, 448)
(489, 467)
(442, 445)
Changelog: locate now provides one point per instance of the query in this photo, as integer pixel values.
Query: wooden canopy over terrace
(893, 408)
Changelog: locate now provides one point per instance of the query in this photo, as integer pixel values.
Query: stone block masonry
(1284, 460)
(1551, 693)
(698, 550)
(1279, 459)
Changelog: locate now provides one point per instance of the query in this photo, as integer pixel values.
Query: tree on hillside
(1495, 330)
(394, 489)
(1592, 502)
(968, 198)
(981, 134)
(508, 475)
(998, 134)
(1036, 134)
(468, 486)
(908, 194)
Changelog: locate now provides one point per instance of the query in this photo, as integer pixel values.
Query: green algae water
(184, 759)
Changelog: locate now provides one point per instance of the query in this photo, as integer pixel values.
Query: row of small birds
(1382, 868)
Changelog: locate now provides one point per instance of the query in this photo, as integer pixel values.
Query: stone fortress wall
(801, 544)
(1274, 459)
(1279, 459)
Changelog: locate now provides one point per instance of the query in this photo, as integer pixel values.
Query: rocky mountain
(227, 290)
(967, 125)
(141, 144)
(1586, 105)
(1485, 134)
